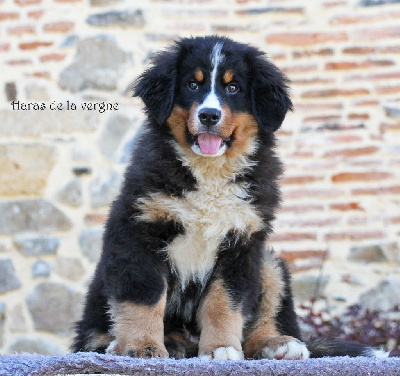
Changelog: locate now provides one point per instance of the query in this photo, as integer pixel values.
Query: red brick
(301, 154)
(392, 89)
(27, 2)
(19, 62)
(58, 27)
(346, 177)
(34, 45)
(349, 153)
(392, 190)
(306, 39)
(308, 222)
(368, 102)
(6, 16)
(349, 206)
(52, 57)
(36, 14)
(291, 256)
(300, 68)
(20, 30)
(324, 93)
(308, 53)
(45, 75)
(357, 18)
(313, 81)
(333, 4)
(355, 235)
(389, 127)
(389, 49)
(4, 47)
(378, 33)
(292, 236)
(359, 50)
(344, 138)
(354, 116)
(301, 179)
(318, 106)
(313, 193)
(323, 119)
(345, 65)
(95, 219)
(376, 76)
(301, 208)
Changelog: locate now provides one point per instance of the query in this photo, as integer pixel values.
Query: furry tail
(320, 347)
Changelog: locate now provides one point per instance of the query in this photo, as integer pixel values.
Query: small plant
(358, 324)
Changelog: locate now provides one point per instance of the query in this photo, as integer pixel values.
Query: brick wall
(60, 168)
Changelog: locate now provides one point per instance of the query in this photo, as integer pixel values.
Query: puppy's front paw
(143, 350)
(282, 347)
(223, 353)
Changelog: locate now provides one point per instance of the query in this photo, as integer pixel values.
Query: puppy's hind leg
(274, 334)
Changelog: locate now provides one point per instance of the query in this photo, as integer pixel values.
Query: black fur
(132, 268)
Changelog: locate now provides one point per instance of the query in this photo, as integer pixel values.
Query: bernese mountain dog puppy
(185, 270)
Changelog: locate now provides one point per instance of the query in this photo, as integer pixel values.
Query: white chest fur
(207, 214)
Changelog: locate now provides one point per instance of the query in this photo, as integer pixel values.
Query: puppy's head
(214, 94)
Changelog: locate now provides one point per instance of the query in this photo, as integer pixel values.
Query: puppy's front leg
(221, 325)
(138, 329)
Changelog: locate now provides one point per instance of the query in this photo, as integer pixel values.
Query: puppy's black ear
(269, 94)
(156, 86)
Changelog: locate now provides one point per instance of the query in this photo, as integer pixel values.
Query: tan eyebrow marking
(199, 75)
(228, 76)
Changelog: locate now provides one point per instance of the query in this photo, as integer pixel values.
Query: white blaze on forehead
(216, 57)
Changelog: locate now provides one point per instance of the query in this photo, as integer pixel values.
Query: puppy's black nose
(209, 116)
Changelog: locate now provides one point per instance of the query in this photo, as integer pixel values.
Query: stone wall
(61, 166)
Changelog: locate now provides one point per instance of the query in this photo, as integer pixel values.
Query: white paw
(113, 348)
(289, 350)
(224, 353)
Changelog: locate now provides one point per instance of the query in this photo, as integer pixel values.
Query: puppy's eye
(193, 85)
(232, 88)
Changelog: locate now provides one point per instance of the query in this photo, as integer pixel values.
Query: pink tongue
(209, 143)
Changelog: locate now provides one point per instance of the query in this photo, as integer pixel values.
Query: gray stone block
(91, 242)
(71, 193)
(104, 188)
(34, 346)
(36, 245)
(41, 269)
(70, 268)
(17, 322)
(54, 307)
(113, 134)
(121, 18)
(367, 254)
(35, 215)
(383, 297)
(98, 64)
(24, 168)
(309, 286)
(8, 278)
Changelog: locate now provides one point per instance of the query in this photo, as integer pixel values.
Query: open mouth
(210, 144)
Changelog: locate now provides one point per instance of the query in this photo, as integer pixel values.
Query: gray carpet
(29, 364)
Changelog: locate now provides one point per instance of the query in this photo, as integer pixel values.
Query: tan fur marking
(220, 324)
(177, 122)
(138, 328)
(272, 289)
(244, 129)
(199, 75)
(228, 76)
